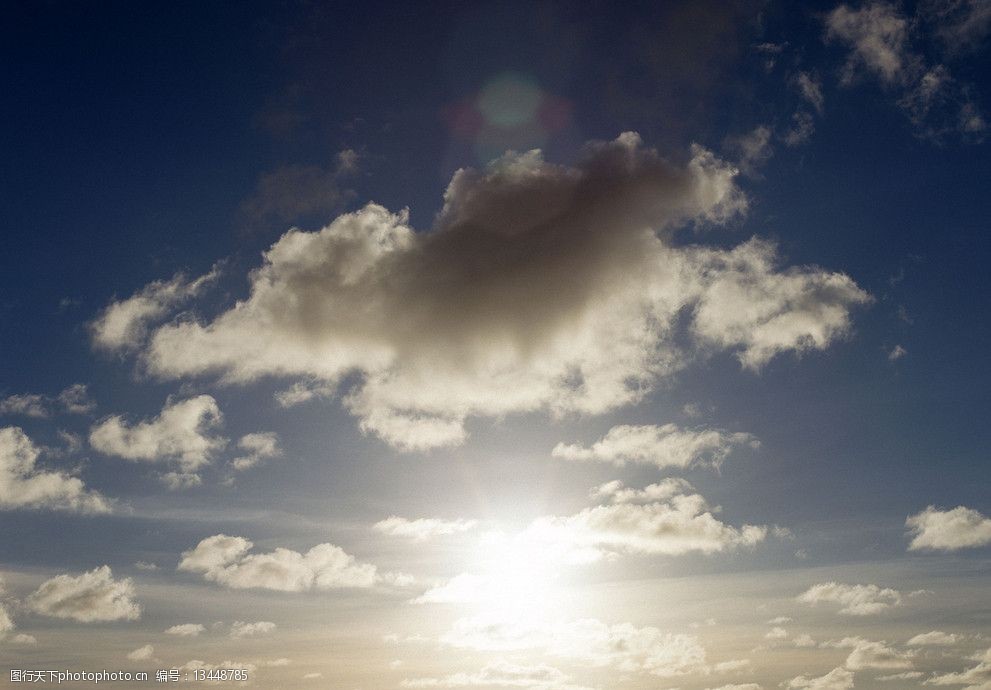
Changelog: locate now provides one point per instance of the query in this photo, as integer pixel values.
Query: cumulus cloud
(541, 288)
(657, 520)
(72, 400)
(837, 679)
(501, 674)
(738, 686)
(186, 630)
(244, 629)
(226, 561)
(92, 596)
(422, 529)
(123, 325)
(948, 530)
(662, 446)
(183, 433)
(256, 447)
(934, 638)
(854, 600)
(23, 485)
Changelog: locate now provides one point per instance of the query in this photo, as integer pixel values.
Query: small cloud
(142, 653)
(897, 352)
(186, 630)
(242, 629)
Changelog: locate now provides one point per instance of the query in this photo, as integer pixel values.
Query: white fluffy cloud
(663, 446)
(256, 448)
(244, 629)
(23, 485)
(226, 561)
(123, 325)
(92, 596)
(837, 679)
(541, 288)
(183, 433)
(660, 519)
(948, 530)
(854, 600)
(186, 630)
(501, 674)
(422, 529)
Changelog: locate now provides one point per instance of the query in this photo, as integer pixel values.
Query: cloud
(183, 433)
(257, 447)
(123, 325)
(837, 679)
(948, 530)
(662, 446)
(588, 641)
(422, 529)
(243, 629)
(975, 678)
(226, 561)
(868, 654)
(738, 686)
(292, 192)
(541, 288)
(935, 638)
(92, 596)
(177, 481)
(776, 633)
(660, 520)
(854, 600)
(905, 675)
(142, 653)
(802, 128)
(961, 24)
(22, 485)
(897, 352)
(752, 149)
(877, 35)
(72, 400)
(27, 404)
(186, 630)
(23, 638)
(501, 674)
(810, 89)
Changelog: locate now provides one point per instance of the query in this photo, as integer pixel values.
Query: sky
(550, 346)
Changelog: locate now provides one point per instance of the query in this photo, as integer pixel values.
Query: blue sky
(506, 345)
